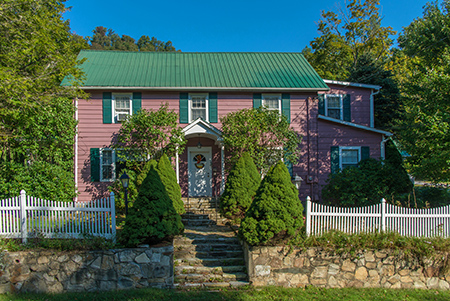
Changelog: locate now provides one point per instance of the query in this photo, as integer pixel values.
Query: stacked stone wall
(372, 268)
(52, 271)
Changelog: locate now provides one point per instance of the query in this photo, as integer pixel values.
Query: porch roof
(181, 71)
(201, 128)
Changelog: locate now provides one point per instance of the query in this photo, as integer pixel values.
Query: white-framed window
(349, 156)
(198, 106)
(272, 102)
(121, 106)
(334, 106)
(107, 165)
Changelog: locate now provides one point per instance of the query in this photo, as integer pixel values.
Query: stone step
(212, 285)
(209, 262)
(187, 241)
(215, 247)
(235, 276)
(209, 254)
(186, 269)
(205, 222)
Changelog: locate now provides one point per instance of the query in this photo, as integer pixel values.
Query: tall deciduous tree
(424, 127)
(347, 35)
(37, 127)
(264, 134)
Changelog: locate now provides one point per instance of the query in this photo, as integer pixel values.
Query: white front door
(200, 171)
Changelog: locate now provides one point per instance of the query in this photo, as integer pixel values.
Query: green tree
(347, 35)
(264, 134)
(106, 39)
(153, 217)
(242, 183)
(149, 134)
(367, 184)
(169, 179)
(37, 127)
(276, 213)
(424, 126)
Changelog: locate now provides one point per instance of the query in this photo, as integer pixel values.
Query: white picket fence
(376, 218)
(26, 216)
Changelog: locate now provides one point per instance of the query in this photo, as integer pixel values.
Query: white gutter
(358, 126)
(253, 89)
(76, 150)
(372, 107)
(383, 147)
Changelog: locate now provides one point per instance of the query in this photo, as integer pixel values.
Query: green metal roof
(196, 71)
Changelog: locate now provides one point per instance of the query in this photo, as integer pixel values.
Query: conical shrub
(169, 179)
(276, 214)
(240, 188)
(153, 217)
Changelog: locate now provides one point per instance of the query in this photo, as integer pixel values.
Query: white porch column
(222, 161)
(177, 164)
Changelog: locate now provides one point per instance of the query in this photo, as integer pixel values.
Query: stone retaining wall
(381, 268)
(50, 271)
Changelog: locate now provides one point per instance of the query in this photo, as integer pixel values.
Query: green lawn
(269, 293)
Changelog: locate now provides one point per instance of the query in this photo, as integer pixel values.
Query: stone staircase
(209, 254)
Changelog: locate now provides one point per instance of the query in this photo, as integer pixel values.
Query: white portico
(202, 159)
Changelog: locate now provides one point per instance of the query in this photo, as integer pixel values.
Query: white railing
(376, 218)
(26, 216)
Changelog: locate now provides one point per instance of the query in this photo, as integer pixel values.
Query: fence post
(113, 216)
(383, 215)
(308, 216)
(23, 216)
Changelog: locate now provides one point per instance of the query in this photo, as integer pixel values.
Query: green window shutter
(107, 107)
(95, 164)
(257, 100)
(346, 107)
(286, 106)
(184, 108)
(334, 159)
(137, 102)
(212, 101)
(321, 104)
(365, 152)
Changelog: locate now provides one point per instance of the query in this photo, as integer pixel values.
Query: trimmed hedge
(276, 213)
(169, 179)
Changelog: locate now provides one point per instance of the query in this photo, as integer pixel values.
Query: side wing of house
(340, 134)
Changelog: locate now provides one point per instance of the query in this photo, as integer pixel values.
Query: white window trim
(263, 96)
(113, 165)
(113, 105)
(206, 96)
(341, 104)
(341, 148)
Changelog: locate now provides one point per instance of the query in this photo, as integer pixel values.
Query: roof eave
(354, 125)
(350, 84)
(246, 89)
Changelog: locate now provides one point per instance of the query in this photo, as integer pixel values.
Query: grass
(266, 293)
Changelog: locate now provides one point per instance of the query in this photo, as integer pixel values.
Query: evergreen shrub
(276, 213)
(240, 188)
(169, 179)
(153, 217)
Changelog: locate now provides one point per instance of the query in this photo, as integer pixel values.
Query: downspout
(383, 147)
(177, 165)
(372, 107)
(75, 159)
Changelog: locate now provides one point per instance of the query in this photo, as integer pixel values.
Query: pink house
(335, 119)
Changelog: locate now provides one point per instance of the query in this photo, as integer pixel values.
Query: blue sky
(233, 25)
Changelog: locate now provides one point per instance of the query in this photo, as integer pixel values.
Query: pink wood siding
(317, 135)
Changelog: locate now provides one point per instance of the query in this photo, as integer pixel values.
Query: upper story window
(333, 106)
(272, 102)
(122, 106)
(198, 107)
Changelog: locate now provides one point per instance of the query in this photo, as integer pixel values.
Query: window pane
(198, 102)
(350, 156)
(333, 102)
(107, 172)
(271, 102)
(122, 103)
(196, 113)
(334, 113)
(107, 157)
